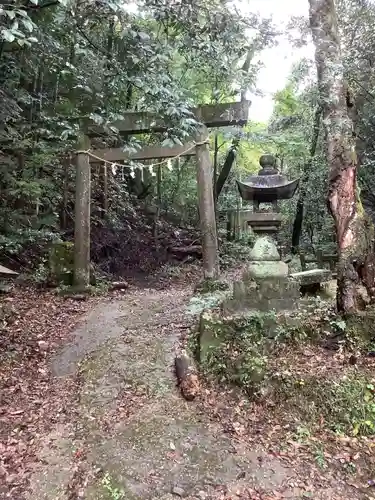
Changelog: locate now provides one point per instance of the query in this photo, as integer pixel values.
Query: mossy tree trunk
(343, 196)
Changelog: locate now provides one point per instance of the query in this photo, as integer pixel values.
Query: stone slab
(211, 335)
(312, 276)
(6, 272)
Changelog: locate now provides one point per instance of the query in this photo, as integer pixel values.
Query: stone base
(264, 295)
(265, 285)
(217, 330)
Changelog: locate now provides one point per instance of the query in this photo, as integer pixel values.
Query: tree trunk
(245, 69)
(298, 220)
(82, 216)
(225, 171)
(343, 199)
(206, 206)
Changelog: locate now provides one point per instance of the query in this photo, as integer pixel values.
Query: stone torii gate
(210, 116)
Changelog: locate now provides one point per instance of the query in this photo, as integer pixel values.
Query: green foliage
(16, 241)
(291, 128)
(256, 142)
(294, 333)
(41, 274)
(62, 63)
(235, 253)
(16, 26)
(286, 102)
(338, 324)
(291, 123)
(113, 492)
(347, 404)
(319, 457)
(179, 192)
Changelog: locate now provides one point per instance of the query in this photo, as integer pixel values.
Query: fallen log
(119, 285)
(187, 377)
(192, 249)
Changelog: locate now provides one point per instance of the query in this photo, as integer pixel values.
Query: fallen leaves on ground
(332, 466)
(32, 401)
(34, 326)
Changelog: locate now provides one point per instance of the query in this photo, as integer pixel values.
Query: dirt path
(132, 436)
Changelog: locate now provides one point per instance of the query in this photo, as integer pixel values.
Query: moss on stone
(61, 262)
(242, 350)
(213, 331)
(234, 349)
(211, 285)
(264, 250)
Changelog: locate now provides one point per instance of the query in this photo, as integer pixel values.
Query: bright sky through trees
(277, 60)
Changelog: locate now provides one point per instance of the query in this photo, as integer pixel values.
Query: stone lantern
(266, 284)
(268, 186)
